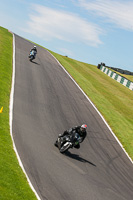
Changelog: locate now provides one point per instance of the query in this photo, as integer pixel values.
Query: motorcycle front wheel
(65, 147)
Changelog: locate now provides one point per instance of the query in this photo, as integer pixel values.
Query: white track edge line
(11, 119)
(94, 107)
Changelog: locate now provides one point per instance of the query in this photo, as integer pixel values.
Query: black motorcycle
(32, 55)
(66, 142)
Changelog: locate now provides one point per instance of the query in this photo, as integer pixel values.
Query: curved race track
(46, 102)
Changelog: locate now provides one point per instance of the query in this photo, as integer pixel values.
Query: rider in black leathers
(81, 130)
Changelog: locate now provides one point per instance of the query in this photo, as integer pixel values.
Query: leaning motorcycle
(68, 141)
(32, 55)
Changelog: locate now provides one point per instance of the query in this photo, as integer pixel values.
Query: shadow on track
(77, 157)
(35, 62)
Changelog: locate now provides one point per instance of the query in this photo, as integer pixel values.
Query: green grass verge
(13, 183)
(129, 77)
(113, 100)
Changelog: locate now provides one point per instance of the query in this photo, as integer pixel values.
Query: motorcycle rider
(81, 130)
(35, 51)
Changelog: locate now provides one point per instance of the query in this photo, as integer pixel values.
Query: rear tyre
(55, 144)
(31, 58)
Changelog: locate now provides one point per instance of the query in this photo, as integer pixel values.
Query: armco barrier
(117, 77)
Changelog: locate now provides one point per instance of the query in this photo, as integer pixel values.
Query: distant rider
(81, 130)
(35, 51)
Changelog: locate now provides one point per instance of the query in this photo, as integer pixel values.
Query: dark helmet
(83, 129)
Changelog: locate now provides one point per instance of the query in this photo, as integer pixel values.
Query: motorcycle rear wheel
(31, 58)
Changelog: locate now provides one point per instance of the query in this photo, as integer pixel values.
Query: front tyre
(65, 147)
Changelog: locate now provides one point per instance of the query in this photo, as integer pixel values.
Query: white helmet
(83, 128)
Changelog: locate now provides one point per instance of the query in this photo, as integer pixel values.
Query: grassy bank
(113, 100)
(13, 184)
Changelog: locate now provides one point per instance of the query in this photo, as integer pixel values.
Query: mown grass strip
(13, 183)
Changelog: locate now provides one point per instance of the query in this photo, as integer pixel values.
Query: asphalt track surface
(47, 102)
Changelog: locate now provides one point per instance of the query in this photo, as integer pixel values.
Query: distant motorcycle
(32, 55)
(68, 141)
